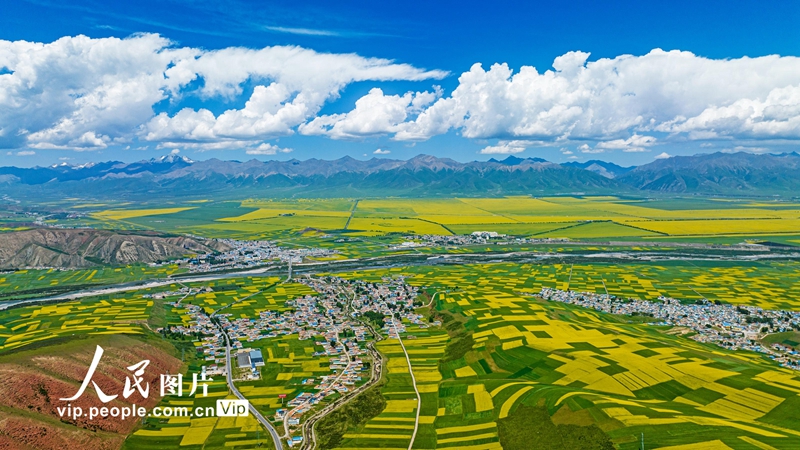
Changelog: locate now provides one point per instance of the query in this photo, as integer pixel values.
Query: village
(729, 326)
(246, 255)
(340, 319)
(474, 238)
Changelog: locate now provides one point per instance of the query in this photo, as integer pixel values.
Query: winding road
(256, 413)
(229, 372)
(308, 431)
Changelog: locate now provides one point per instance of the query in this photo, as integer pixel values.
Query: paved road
(256, 413)
(352, 211)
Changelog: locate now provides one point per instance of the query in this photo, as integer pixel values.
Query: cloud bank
(84, 94)
(622, 102)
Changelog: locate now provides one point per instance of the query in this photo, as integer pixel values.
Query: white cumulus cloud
(663, 155)
(585, 148)
(635, 143)
(614, 100)
(381, 151)
(301, 82)
(84, 93)
(267, 149)
(374, 114)
(777, 115)
(504, 148)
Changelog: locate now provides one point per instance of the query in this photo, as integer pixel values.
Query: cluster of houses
(247, 254)
(332, 319)
(475, 238)
(392, 297)
(211, 341)
(728, 326)
(437, 240)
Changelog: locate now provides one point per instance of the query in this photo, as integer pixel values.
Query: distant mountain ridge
(68, 172)
(606, 169)
(720, 173)
(423, 175)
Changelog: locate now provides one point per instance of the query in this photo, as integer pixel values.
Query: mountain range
(423, 175)
(606, 169)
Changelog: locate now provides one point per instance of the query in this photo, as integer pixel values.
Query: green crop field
(582, 218)
(393, 427)
(500, 355)
(35, 282)
(102, 315)
(498, 351)
(585, 367)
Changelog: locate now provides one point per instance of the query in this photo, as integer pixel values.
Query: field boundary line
(352, 213)
(557, 229)
(490, 212)
(436, 223)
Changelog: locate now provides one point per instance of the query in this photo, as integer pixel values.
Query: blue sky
(438, 41)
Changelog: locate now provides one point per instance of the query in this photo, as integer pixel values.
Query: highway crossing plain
(487, 349)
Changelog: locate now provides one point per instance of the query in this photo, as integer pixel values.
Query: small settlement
(339, 318)
(728, 326)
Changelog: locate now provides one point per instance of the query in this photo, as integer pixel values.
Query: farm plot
(159, 432)
(588, 368)
(394, 426)
(28, 282)
(769, 285)
(572, 217)
(100, 315)
(246, 297)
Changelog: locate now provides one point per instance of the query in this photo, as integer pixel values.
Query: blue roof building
(256, 358)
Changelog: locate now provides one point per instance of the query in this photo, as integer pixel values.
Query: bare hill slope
(63, 248)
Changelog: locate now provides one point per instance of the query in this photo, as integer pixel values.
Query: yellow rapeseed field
(122, 214)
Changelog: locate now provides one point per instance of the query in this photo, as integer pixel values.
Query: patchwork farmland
(480, 349)
(555, 217)
(588, 368)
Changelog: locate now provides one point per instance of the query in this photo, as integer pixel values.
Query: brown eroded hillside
(75, 248)
(33, 381)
